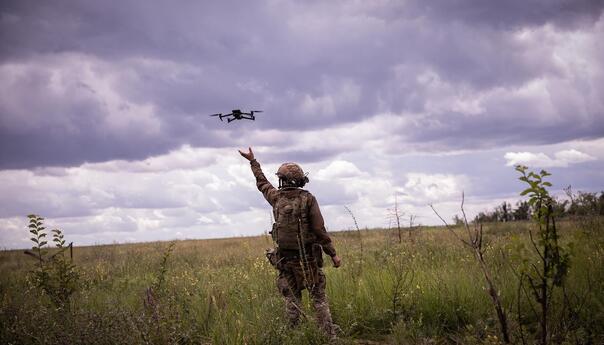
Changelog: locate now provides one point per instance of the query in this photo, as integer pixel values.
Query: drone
(237, 114)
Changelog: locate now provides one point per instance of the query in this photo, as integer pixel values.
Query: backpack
(292, 228)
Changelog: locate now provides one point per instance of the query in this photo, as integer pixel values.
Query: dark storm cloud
(512, 14)
(308, 65)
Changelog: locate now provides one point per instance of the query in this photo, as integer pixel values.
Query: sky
(104, 126)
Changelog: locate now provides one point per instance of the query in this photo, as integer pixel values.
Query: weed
(57, 277)
(360, 240)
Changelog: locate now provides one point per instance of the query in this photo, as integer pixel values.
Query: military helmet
(291, 175)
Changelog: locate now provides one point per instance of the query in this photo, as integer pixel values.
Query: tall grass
(223, 292)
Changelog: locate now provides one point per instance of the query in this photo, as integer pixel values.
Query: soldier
(301, 237)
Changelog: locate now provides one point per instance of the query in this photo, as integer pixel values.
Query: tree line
(577, 204)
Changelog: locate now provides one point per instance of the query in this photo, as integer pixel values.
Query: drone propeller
(256, 111)
(220, 116)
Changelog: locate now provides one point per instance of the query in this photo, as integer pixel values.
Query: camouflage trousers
(295, 277)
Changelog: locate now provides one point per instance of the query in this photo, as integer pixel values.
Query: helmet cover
(291, 174)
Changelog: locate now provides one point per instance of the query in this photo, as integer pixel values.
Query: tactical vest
(292, 226)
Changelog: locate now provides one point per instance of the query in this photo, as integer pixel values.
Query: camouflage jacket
(271, 194)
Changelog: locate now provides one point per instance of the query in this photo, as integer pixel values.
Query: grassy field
(426, 290)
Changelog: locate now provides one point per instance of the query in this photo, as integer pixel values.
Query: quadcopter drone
(237, 114)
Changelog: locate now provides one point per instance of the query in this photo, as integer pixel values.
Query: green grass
(223, 292)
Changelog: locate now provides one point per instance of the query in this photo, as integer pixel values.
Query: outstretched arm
(264, 186)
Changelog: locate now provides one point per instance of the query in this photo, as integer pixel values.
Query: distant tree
(457, 220)
(507, 211)
(485, 217)
(503, 212)
(585, 203)
(560, 207)
(580, 204)
(522, 211)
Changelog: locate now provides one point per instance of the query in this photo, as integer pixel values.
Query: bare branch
(449, 228)
(465, 218)
(475, 243)
(535, 246)
(537, 271)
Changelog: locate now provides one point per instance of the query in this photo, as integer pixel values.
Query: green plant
(553, 260)
(160, 279)
(157, 290)
(57, 277)
(158, 322)
(37, 229)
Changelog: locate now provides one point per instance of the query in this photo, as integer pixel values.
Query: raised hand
(247, 155)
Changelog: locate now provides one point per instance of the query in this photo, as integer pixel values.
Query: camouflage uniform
(295, 273)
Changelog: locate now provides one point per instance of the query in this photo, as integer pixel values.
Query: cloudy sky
(104, 128)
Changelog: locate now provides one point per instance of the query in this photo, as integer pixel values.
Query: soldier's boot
(325, 322)
(323, 314)
(293, 309)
